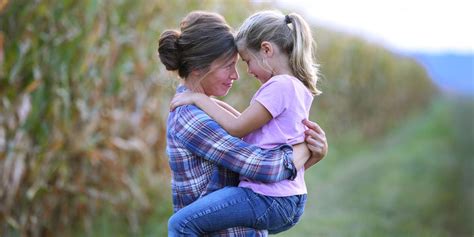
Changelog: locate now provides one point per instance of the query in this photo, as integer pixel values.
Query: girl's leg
(222, 209)
(233, 207)
(284, 213)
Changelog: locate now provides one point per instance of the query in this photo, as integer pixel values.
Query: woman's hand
(316, 142)
(184, 98)
(314, 148)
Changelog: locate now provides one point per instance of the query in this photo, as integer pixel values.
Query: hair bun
(168, 50)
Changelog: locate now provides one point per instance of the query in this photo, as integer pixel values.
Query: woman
(203, 157)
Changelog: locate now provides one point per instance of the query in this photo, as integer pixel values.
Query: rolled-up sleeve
(207, 139)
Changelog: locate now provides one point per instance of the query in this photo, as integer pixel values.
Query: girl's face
(218, 81)
(255, 65)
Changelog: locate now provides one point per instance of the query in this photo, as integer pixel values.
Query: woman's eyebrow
(228, 63)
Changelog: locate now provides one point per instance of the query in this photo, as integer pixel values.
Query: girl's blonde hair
(291, 34)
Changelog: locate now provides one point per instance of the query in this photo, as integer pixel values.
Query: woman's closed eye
(229, 66)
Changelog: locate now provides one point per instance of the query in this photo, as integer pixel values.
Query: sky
(402, 25)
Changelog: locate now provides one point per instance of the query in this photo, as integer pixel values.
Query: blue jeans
(234, 206)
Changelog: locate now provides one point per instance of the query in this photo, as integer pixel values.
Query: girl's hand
(184, 98)
(316, 142)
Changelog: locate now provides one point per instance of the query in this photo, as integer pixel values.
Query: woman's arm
(301, 155)
(313, 149)
(254, 117)
(202, 136)
(316, 142)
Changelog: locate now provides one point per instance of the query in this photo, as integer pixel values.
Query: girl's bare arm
(254, 117)
(227, 107)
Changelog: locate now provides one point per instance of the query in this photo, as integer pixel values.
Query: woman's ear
(196, 73)
(266, 48)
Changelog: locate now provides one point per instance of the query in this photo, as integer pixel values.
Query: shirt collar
(181, 88)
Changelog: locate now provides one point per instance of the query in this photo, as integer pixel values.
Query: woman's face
(220, 78)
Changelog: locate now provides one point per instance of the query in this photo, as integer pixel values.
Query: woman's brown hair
(203, 38)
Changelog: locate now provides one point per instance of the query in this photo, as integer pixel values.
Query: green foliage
(365, 86)
(79, 111)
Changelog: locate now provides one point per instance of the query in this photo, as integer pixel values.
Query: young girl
(278, 50)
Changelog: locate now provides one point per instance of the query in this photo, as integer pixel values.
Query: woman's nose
(235, 74)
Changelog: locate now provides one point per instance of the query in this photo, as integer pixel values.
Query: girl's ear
(266, 48)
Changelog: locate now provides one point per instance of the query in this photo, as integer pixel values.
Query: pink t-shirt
(289, 102)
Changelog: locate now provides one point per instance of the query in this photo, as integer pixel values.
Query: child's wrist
(198, 97)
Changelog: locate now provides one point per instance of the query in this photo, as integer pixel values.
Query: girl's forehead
(243, 53)
(247, 54)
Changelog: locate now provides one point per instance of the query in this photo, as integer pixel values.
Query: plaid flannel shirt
(203, 158)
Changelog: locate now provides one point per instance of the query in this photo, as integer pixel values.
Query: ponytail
(303, 53)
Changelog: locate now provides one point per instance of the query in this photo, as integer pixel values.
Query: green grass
(417, 181)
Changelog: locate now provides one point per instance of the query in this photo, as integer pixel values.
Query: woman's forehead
(225, 60)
